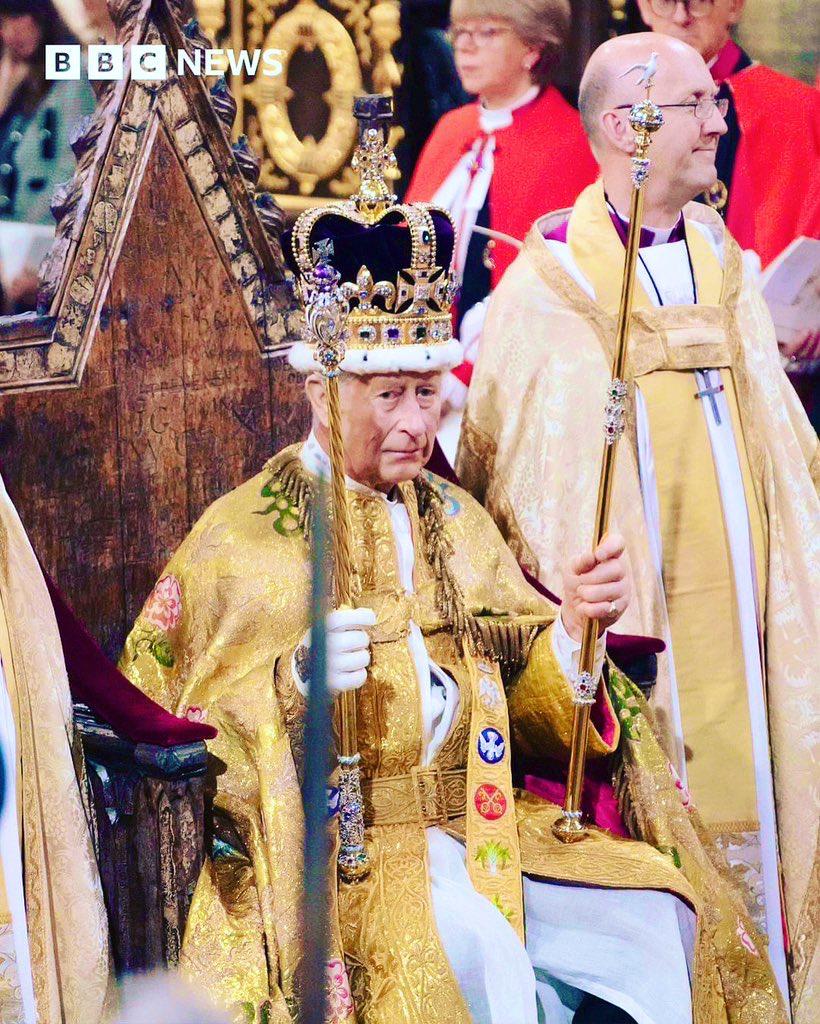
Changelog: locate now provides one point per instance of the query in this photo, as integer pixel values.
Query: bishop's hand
(348, 650)
(596, 586)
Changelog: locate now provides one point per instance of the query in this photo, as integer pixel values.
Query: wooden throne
(149, 381)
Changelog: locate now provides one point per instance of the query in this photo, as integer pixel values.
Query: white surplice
(632, 948)
(464, 192)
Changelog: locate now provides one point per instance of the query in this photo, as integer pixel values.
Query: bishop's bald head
(683, 151)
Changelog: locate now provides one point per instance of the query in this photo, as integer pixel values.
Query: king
(471, 910)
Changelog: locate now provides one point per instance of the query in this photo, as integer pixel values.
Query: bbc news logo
(151, 63)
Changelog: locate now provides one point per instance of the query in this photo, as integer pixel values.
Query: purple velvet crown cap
(385, 248)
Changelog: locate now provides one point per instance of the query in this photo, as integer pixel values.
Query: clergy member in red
(498, 163)
(768, 186)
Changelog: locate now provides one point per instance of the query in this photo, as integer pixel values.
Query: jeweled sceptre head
(645, 117)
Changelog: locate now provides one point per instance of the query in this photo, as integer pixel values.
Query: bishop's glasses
(702, 108)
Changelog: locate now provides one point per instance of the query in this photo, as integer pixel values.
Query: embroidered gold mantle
(218, 635)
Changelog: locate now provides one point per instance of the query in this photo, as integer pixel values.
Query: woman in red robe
(500, 162)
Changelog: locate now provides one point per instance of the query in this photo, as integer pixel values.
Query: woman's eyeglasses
(476, 37)
(702, 108)
(694, 8)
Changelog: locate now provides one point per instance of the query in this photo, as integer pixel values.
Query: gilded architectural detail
(211, 15)
(352, 41)
(308, 161)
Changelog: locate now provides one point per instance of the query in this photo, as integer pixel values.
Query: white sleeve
(567, 651)
(472, 324)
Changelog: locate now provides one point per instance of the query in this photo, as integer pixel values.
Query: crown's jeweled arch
(399, 317)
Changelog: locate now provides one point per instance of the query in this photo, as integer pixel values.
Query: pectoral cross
(710, 393)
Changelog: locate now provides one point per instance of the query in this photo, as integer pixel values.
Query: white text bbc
(150, 63)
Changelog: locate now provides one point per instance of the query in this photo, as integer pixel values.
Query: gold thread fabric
(217, 635)
(66, 919)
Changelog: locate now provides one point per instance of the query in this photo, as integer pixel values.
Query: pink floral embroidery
(745, 938)
(340, 1000)
(163, 608)
(195, 714)
(685, 795)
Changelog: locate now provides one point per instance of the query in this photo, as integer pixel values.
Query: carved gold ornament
(309, 160)
(355, 39)
(211, 16)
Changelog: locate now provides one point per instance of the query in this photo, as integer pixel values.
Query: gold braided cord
(341, 530)
(288, 470)
(438, 550)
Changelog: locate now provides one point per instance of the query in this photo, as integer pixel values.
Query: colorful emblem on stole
(490, 802)
(491, 746)
(493, 854)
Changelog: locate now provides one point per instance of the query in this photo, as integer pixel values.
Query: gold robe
(65, 915)
(218, 634)
(530, 451)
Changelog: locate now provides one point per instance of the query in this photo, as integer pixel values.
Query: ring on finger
(613, 610)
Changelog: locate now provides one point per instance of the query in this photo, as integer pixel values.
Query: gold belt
(425, 796)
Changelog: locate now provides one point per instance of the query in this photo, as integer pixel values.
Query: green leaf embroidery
(626, 705)
(493, 856)
(162, 651)
(156, 643)
(671, 851)
(285, 513)
(496, 902)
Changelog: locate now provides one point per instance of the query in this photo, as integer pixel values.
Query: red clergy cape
(775, 192)
(542, 162)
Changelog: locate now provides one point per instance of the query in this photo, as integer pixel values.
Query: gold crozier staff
(645, 118)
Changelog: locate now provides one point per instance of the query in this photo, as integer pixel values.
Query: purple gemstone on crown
(393, 333)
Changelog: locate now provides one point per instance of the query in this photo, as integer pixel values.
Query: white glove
(348, 650)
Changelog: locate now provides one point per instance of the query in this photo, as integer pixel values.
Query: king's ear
(317, 396)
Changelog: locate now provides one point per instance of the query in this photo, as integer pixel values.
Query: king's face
(389, 423)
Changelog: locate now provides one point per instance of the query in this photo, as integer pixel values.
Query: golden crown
(370, 269)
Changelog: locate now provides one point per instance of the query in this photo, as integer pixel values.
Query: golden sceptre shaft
(645, 118)
(326, 308)
(326, 311)
(353, 862)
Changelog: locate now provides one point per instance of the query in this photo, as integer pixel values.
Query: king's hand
(348, 650)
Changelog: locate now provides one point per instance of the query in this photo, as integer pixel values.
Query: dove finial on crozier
(647, 70)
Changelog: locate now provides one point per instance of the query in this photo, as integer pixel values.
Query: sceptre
(645, 118)
(326, 311)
